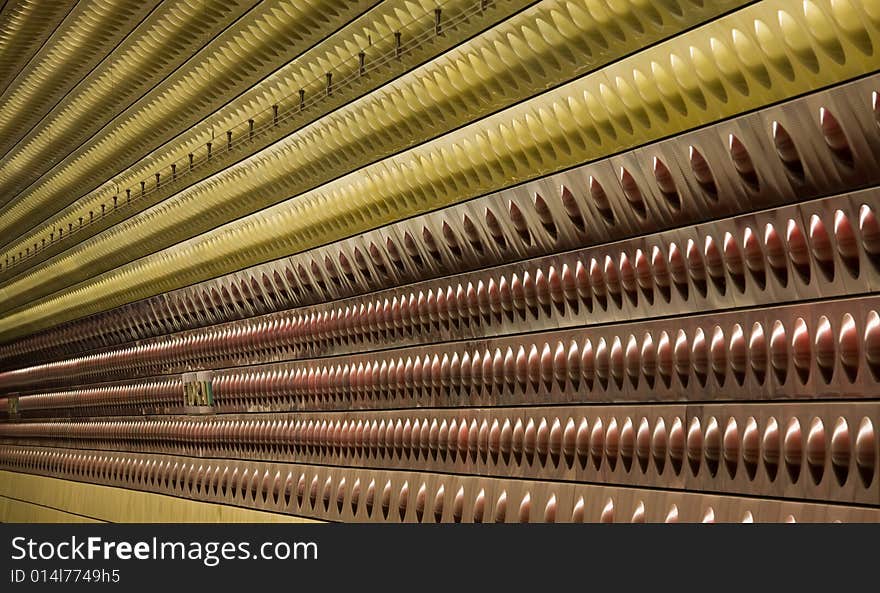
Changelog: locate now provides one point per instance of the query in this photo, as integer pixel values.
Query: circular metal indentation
(821, 247)
(787, 151)
(421, 501)
(731, 445)
(708, 516)
(545, 216)
(403, 500)
(600, 199)
(458, 505)
(847, 243)
(659, 445)
(520, 225)
(607, 515)
(666, 183)
(751, 447)
(802, 355)
(612, 443)
(825, 349)
(866, 451)
(835, 137)
(793, 448)
(816, 449)
(639, 513)
(480, 506)
(712, 445)
(742, 161)
(501, 507)
(439, 500)
(779, 352)
(870, 231)
(702, 172)
(550, 510)
(632, 192)
(841, 450)
(578, 514)
(695, 442)
(570, 205)
(525, 509)
(848, 347)
(677, 444)
(798, 250)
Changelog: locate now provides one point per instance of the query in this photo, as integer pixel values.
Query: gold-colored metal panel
(116, 505)
(528, 140)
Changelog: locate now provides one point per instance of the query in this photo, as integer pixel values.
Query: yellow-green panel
(17, 511)
(268, 29)
(762, 54)
(518, 59)
(337, 53)
(119, 505)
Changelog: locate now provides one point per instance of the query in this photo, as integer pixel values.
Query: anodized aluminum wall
(463, 261)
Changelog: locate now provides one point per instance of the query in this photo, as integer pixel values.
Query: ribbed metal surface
(24, 26)
(558, 261)
(337, 54)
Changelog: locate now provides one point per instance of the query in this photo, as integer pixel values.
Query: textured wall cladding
(723, 170)
(250, 47)
(365, 495)
(351, 82)
(660, 91)
(667, 312)
(82, 40)
(331, 146)
(738, 262)
(798, 451)
(802, 351)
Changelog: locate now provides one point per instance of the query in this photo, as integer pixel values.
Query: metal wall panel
(649, 294)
